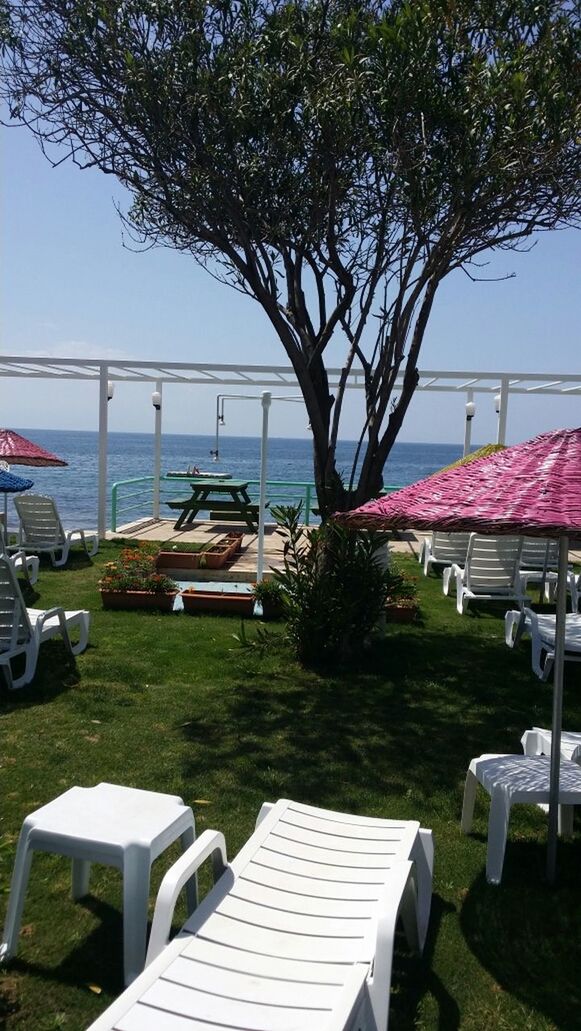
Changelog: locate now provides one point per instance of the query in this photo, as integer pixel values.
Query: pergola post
(102, 489)
(156, 400)
(468, 421)
(265, 401)
(503, 411)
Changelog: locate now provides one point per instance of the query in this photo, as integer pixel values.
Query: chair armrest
(57, 611)
(210, 843)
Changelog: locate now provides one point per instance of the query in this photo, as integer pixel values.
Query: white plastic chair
(297, 933)
(537, 741)
(23, 630)
(41, 529)
(443, 549)
(510, 779)
(541, 628)
(491, 572)
(28, 565)
(118, 826)
(539, 564)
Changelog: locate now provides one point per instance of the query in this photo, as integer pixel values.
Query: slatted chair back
(15, 629)
(449, 548)
(40, 525)
(539, 553)
(493, 563)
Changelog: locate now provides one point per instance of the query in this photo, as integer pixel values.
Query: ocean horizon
(131, 455)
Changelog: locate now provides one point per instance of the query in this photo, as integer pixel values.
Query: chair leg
(81, 871)
(470, 786)
(565, 821)
(62, 561)
(136, 875)
(187, 839)
(423, 856)
(82, 622)
(497, 832)
(18, 887)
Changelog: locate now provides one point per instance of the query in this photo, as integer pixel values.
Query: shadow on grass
(96, 959)
(529, 943)
(414, 977)
(56, 672)
(409, 718)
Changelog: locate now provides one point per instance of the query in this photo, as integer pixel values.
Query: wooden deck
(243, 568)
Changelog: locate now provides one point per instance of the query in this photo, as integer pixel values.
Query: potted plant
(233, 603)
(133, 582)
(270, 595)
(401, 604)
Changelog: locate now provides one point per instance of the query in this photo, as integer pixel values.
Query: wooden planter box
(232, 604)
(159, 601)
(179, 559)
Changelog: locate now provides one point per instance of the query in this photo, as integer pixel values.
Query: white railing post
(156, 399)
(265, 401)
(102, 489)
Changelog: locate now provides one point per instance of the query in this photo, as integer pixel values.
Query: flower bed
(134, 582)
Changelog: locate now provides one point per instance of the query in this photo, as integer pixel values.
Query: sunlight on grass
(173, 703)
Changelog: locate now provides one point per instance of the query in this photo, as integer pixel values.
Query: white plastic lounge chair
(41, 529)
(537, 741)
(28, 565)
(444, 549)
(491, 572)
(538, 565)
(297, 932)
(541, 628)
(23, 630)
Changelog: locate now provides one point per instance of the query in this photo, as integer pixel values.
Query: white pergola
(105, 372)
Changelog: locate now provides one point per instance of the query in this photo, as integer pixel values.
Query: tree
(333, 159)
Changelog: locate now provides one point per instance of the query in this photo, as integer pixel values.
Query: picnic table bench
(224, 499)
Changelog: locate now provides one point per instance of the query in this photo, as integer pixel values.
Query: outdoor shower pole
(265, 401)
(156, 400)
(102, 495)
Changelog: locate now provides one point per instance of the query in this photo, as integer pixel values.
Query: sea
(131, 455)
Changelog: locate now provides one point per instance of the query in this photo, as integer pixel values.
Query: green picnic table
(228, 499)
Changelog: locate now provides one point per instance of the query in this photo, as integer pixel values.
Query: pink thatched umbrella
(18, 450)
(532, 488)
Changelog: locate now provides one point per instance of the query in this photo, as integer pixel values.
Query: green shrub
(334, 586)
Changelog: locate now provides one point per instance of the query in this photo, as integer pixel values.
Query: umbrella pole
(557, 708)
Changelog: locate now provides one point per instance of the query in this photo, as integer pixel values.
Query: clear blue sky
(70, 288)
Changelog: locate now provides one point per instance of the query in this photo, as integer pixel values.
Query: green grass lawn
(173, 703)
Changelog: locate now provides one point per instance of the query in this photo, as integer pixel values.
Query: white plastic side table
(118, 826)
(510, 779)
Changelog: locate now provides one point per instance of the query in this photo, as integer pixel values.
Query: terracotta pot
(160, 601)
(233, 604)
(178, 560)
(234, 542)
(215, 557)
(272, 609)
(395, 613)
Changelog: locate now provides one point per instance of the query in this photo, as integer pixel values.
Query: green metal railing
(135, 497)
